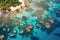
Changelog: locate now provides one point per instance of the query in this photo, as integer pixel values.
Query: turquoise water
(41, 33)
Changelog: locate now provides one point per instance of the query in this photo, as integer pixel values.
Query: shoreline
(13, 10)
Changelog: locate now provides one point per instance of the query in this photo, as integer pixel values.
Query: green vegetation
(5, 4)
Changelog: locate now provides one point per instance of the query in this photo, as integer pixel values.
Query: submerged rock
(14, 31)
(8, 30)
(50, 20)
(47, 25)
(2, 37)
(21, 31)
(38, 25)
(24, 18)
(43, 5)
(4, 29)
(38, 13)
(12, 35)
(29, 28)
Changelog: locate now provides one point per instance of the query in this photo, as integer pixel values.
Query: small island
(12, 5)
(5, 4)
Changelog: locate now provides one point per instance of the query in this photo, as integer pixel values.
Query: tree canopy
(5, 4)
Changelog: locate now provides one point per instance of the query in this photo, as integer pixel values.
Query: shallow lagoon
(40, 33)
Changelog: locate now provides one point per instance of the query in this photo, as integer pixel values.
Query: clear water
(38, 34)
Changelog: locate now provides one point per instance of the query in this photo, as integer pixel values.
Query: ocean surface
(49, 8)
